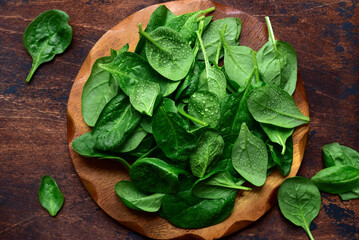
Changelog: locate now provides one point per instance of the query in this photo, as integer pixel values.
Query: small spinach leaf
(337, 179)
(135, 199)
(277, 134)
(205, 107)
(145, 97)
(250, 157)
(353, 194)
(208, 151)
(49, 34)
(50, 196)
(299, 201)
(335, 154)
(283, 161)
(274, 106)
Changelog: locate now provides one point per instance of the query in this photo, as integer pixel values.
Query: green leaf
(335, 154)
(250, 157)
(155, 176)
(277, 134)
(282, 161)
(277, 63)
(337, 179)
(299, 201)
(117, 121)
(208, 151)
(217, 184)
(50, 196)
(145, 97)
(168, 53)
(274, 106)
(49, 34)
(205, 107)
(135, 199)
(353, 194)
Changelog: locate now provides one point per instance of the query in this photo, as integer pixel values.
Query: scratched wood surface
(33, 139)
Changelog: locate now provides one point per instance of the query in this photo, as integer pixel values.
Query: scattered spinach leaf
(50, 196)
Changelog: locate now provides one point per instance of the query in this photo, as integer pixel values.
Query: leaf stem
(206, 62)
(150, 39)
(271, 33)
(220, 44)
(193, 119)
(208, 10)
(147, 153)
(258, 79)
(32, 71)
(196, 45)
(307, 230)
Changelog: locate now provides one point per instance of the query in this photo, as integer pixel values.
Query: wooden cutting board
(100, 176)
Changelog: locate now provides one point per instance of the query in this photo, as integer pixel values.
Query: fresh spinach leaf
(250, 157)
(282, 161)
(353, 194)
(277, 63)
(171, 132)
(185, 210)
(133, 141)
(50, 196)
(335, 154)
(168, 53)
(337, 179)
(145, 97)
(135, 199)
(155, 176)
(299, 201)
(211, 38)
(205, 107)
(277, 134)
(116, 123)
(209, 150)
(49, 34)
(217, 184)
(274, 106)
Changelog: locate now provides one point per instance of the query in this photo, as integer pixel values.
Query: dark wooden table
(33, 126)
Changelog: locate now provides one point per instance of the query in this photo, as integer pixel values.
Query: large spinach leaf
(250, 157)
(49, 34)
(135, 199)
(155, 176)
(209, 150)
(274, 106)
(277, 63)
(50, 196)
(299, 201)
(117, 121)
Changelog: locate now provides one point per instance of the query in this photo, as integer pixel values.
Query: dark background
(33, 138)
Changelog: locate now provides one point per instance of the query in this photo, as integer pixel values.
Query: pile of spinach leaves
(193, 132)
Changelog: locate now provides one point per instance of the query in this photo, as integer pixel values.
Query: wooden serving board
(100, 176)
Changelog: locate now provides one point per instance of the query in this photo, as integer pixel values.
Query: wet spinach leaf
(299, 201)
(135, 199)
(337, 179)
(155, 176)
(168, 53)
(49, 34)
(277, 63)
(250, 157)
(274, 106)
(145, 97)
(185, 210)
(209, 150)
(205, 107)
(117, 121)
(50, 196)
(277, 134)
(217, 184)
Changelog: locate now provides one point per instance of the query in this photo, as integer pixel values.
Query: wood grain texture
(100, 176)
(33, 128)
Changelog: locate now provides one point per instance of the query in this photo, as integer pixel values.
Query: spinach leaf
(133, 141)
(277, 134)
(211, 79)
(335, 154)
(197, 121)
(217, 184)
(49, 34)
(117, 121)
(50, 196)
(85, 146)
(135, 199)
(211, 38)
(234, 112)
(353, 194)
(337, 179)
(155, 176)
(277, 63)
(146, 124)
(274, 106)
(282, 161)
(171, 132)
(160, 17)
(145, 97)
(299, 201)
(239, 62)
(205, 107)
(185, 210)
(250, 157)
(98, 90)
(168, 53)
(208, 151)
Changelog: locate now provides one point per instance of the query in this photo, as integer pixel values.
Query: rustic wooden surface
(33, 124)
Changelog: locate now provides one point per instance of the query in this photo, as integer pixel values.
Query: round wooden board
(100, 176)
